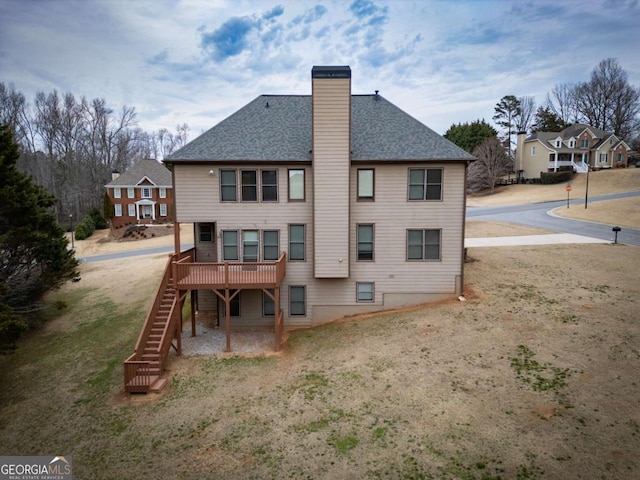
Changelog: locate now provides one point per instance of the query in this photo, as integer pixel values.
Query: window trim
(117, 192)
(362, 198)
(373, 292)
(619, 159)
(304, 301)
(235, 184)
(201, 231)
(304, 185)
(146, 192)
(604, 158)
(224, 246)
(163, 208)
(304, 242)
(252, 185)
(117, 210)
(264, 244)
(131, 192)
(262, 185)
(244, 245)
(373, 242)
(423, 245)
(533, 151)
(266, 298)
(425, 185)
(162, 192)
(131, 210)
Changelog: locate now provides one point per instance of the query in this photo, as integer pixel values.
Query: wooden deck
(190, 275)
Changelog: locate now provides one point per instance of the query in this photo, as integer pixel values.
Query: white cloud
(197, 62)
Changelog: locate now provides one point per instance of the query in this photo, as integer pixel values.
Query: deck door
(250, 247)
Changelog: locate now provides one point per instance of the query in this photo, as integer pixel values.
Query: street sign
(568, 188)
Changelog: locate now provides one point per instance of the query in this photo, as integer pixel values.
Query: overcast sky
(197, 61)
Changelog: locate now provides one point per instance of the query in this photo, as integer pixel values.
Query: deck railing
(229, 274)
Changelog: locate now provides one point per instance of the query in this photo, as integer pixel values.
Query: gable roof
(571, 131)
(278, 128)
(153, 170)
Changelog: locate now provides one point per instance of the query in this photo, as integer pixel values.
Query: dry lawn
(534, 376)
(602, 182)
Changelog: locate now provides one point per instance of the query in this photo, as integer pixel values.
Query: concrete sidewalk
(553, 238)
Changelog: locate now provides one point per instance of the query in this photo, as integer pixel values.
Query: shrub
(98, 219)
(85, 228)
(555, 177)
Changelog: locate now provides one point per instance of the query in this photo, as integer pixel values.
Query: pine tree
(34, 254)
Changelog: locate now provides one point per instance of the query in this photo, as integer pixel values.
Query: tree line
(606, 101)
(70, 145)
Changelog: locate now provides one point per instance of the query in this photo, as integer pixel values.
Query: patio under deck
(222, 278)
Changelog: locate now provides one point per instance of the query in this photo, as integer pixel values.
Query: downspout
(464, 222)
(176, 224)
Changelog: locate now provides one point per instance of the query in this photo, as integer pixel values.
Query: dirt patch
(484, 229)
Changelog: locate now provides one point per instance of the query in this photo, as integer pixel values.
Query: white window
(146, 192)
(163, 209)
(117, 193)
(603, 158)
(132, 210)
(572, 143)
(296, 185)
(364, 292)
(117, 209)
(558, 143)
(365, 183)
(131, 193)
(533, 151)
(584, 143)
(163, 192)
(620, 158)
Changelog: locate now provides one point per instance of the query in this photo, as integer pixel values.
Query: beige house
(575, 148)
(311, 208)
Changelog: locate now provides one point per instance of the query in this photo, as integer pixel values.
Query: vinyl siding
(331, 147)
(397, 282)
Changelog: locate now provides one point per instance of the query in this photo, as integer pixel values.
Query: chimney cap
(331, 71)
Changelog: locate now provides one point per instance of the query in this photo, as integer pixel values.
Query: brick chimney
(331, 144)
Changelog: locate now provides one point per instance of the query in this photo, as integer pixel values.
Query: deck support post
(276, 311)
(227, 314)
(193, 314)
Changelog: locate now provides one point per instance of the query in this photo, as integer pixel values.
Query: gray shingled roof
(150, 168)
(278, 128)
(571, 131)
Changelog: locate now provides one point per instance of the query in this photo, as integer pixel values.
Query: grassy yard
(534, 376)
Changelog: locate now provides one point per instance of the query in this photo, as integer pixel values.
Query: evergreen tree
(469, 135)
(546, 120)
(33, 248)
(508, 110)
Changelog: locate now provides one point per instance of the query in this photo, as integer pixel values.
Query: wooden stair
(144, 369)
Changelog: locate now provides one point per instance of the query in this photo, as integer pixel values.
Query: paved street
(535, 215)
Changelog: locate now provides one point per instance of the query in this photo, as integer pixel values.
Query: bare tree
(607, 101)
(562, 102)
(491, 164)
(524, 119)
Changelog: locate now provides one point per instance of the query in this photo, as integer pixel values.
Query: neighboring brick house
(574, 148)
(143, 194)
(367, 203)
